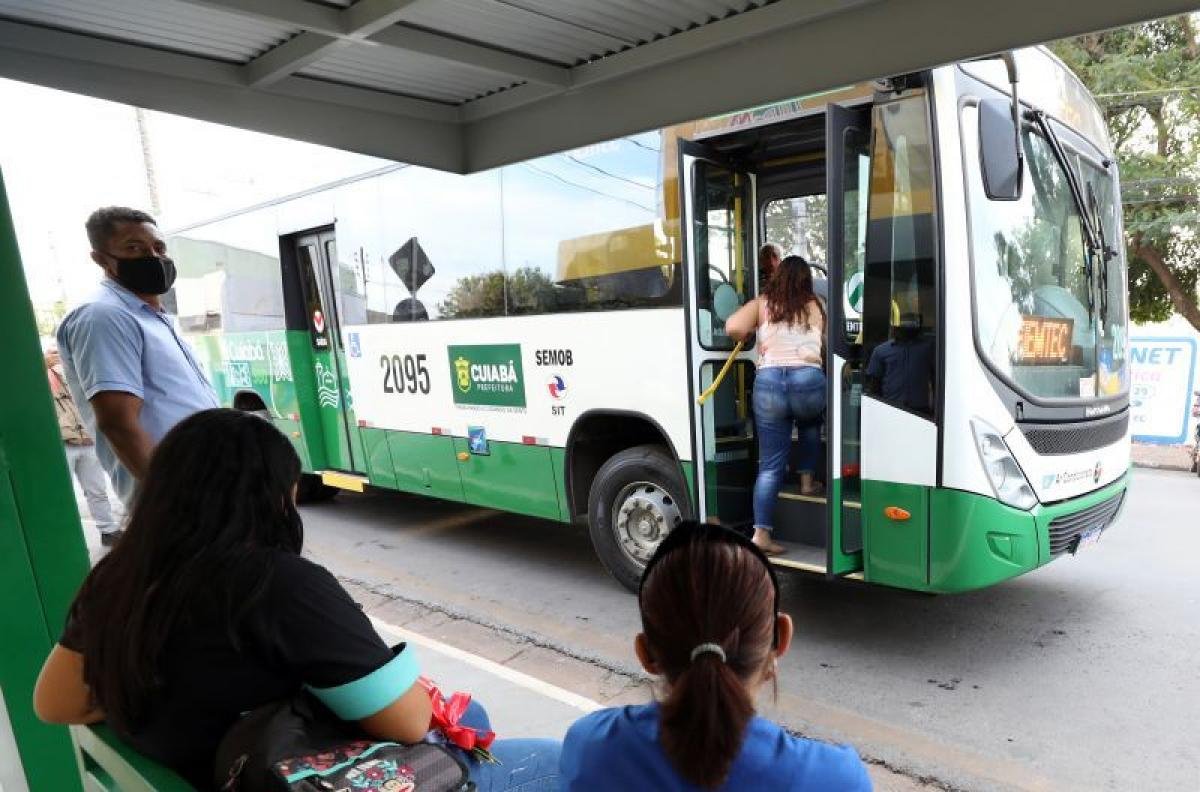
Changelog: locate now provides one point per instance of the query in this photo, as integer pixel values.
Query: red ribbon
(447, 714)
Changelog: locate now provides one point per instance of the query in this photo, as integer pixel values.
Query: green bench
(110, 765)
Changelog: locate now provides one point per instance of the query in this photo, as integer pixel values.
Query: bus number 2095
(404, 374)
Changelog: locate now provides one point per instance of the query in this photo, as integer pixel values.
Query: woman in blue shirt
(711, 628)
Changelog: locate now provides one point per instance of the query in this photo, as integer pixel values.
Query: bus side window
(900, 321)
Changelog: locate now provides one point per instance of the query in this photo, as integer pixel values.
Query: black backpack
(299, 745)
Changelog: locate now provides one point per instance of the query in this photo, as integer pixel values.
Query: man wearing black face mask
(121, 352)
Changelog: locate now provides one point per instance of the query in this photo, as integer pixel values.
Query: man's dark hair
(102, 223)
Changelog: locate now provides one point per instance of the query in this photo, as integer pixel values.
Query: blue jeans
(526, 764)
(784, 396)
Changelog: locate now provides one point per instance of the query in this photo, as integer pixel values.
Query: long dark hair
(218, 489)
(707, 587)
(790, 292)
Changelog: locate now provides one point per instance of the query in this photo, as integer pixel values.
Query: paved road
(1081, 675)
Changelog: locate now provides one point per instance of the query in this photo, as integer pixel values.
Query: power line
(556, 177)
(609, 174)
(640, 144)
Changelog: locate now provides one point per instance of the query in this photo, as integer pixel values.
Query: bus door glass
(900, 337)
(847, 174)
(316, 254)
(718, 218)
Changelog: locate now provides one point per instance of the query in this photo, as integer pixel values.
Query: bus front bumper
(979, 541)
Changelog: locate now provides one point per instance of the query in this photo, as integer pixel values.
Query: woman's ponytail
(704, 719)
(708, 615)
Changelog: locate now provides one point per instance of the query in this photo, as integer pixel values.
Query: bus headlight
(1001, 467)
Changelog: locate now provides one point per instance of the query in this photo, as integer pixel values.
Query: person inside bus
(769, 256)
(206, 610)
(901, 370)
(712, 631)
(789, 388)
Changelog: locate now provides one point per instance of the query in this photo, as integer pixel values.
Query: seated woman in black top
(205, 610)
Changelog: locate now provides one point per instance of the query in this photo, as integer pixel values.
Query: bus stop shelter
(458, 85)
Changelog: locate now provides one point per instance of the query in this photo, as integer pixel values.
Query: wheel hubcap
(645, 514)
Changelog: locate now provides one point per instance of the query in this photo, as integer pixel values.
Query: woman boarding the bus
(789, 387)
(711, 628)
(206, 610)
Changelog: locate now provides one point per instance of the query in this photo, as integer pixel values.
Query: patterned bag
(298, 745)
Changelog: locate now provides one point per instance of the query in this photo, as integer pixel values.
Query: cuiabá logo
(488, 374)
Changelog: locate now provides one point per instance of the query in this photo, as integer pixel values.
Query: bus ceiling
(450, 87)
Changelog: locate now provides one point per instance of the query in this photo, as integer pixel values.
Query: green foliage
(49, 316)
(526, 290)
(797, 225)
(1147, 80)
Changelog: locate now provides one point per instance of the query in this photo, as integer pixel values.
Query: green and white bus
(537, 338)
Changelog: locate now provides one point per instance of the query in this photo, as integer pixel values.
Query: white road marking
(526, 681)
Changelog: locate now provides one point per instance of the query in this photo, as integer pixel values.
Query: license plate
(1088, 537)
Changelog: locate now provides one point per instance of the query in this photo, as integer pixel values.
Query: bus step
(346, 481)
(804, 557)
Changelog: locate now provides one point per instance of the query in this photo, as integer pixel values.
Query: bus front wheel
(313, 490)
(636, 499)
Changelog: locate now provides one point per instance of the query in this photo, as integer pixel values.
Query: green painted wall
(42, 553)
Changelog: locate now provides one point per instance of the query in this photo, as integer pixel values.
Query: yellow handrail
(716, 383)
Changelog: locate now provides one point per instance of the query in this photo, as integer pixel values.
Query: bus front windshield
(1053, 325)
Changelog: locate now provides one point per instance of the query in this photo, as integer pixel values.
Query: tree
(49, 316)
(526, 290)
(797, 225)
(1147, 80)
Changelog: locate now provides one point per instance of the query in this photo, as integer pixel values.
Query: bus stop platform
(519, 705)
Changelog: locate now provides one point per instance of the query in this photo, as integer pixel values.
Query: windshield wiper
(1097, 245)
(1107, 253)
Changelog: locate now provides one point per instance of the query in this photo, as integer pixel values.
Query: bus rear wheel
(313, 490)
(636, 499)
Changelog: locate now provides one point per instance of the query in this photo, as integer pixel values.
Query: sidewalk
(518, 704)
(522, 704)
(1162, 457)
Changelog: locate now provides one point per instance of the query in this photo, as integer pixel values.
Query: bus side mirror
(1000, 153)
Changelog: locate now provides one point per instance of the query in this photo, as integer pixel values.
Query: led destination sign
(1045, 341)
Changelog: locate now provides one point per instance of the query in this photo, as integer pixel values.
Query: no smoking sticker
(319, 321)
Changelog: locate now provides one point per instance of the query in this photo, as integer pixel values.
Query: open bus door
(330, 411)
(717, 224)
(847, 172)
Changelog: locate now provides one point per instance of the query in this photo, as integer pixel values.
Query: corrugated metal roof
(398, 71)
(162, 24)
(568, 31)
(470, 84)
(502, 25)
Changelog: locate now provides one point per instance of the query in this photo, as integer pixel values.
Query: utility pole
(148, 162)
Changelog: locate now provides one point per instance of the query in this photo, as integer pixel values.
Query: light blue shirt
(117, 342)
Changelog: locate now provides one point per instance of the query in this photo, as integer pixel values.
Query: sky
(63, 155)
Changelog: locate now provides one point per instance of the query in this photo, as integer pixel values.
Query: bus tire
(637, 497)
(313, 490)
